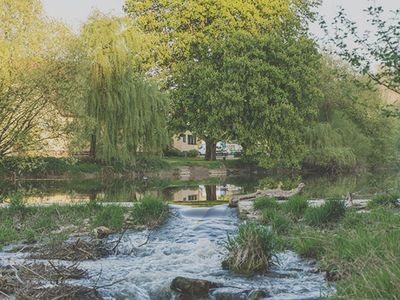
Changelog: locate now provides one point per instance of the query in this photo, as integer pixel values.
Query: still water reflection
(215, 189)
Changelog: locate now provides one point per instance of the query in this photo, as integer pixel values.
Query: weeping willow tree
(127, 111)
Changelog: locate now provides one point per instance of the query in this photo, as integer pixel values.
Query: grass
(251, 250)
(279, 221)
(359, 251)
(388, 200)
(296, 206)
(175, 162)
(48, 223)
(150, 212)
(330, 211)
(265, 202)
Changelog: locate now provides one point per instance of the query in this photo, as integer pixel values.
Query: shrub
(111, 216)
(330, 211)
(389, 200)
(265, 202)
(150, 212)
(251, 250)
(296, 206)
(172, 152)
(279, 222)
(192, 153)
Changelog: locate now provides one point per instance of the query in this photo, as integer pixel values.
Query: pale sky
(75, 12)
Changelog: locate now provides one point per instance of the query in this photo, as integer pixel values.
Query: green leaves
(129, 111)
(259, 91)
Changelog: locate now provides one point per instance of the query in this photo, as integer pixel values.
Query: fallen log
(274, 193)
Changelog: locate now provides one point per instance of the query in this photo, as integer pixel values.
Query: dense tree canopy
(129, 113)
(351, 131)
(181, 26)
(257, 90)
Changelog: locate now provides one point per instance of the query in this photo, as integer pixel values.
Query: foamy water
(191, 245)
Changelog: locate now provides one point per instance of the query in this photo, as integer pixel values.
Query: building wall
(185, 142)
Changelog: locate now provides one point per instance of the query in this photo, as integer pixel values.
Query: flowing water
(191, 244)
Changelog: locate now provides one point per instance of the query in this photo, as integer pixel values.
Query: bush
(150, 212)
(172, 152)
(251, 250)
(330, 211)
(192, 153)
(279, 222)
(265, 202)
(296, 206)
(388, 200)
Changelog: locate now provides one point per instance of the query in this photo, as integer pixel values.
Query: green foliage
(364, 49)
(295, 206)
(388, 200)
(251, 250)
(177, 153)
(180, 26)
(111, 216)
(257, 90)
(44, 166)
(37, 75)
(279, 221)
(17, 202)
(150, 212)
(330, 211)
(128, 111)
(265, 202)
(308, 243)
(351, 131)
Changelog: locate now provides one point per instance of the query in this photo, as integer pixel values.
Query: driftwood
(276, 193)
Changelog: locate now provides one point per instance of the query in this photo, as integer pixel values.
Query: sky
(75, 12)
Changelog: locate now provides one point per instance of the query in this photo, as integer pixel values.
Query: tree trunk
(211, 151)
(211, 192)
(92, 151)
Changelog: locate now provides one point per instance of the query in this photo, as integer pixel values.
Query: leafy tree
(35, 68)
(180, 26)
(381, 45)
(351, 131)
(129, 113)
(257, 90)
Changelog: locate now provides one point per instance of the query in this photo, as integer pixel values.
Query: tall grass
(251, 250)
(330, 211)
(279, 221)
(296, 206)
(150, 212)
(388, 200)
(265, 202)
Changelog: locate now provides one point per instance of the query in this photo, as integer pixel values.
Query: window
(192, 197)
(183, 136)
(192, 140)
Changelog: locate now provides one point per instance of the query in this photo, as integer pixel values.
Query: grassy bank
(359, 251)
(40, 167)
(57, 222)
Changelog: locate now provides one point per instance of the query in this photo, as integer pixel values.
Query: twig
(119, 240)
(5, 295)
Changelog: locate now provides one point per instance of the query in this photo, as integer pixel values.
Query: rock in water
(191, 288)
(102, 232)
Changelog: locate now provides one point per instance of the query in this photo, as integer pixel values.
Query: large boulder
(191, 288)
